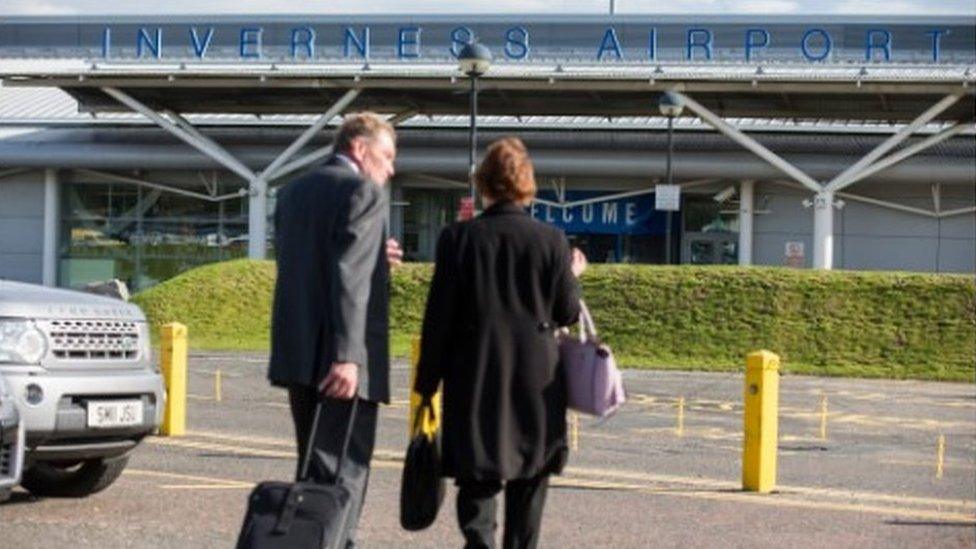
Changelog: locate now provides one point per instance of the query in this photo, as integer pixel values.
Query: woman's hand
(578, 262)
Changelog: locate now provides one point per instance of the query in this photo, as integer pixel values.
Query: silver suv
(80, 371)
(11, 442)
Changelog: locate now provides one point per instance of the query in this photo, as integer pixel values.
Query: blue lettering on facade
(251, 38)
(692, 42)
(408, 37)
(200, 47)
(611, 43)
(361, 42)
(303, 37)
(460, 37)
(517, 43)
(805, 44)
(816, 43)
(752, 44)
(936, 40)
(155, 45)
(634, 215)
(870, 45)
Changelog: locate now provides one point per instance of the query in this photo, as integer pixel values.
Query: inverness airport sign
(533, 38)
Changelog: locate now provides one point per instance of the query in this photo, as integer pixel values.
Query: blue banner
(633, 215)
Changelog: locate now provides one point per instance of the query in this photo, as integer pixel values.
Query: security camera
(724, 194)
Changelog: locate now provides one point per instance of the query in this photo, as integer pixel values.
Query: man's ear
(357, 149)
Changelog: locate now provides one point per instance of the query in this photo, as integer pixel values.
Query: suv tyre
(73, 481)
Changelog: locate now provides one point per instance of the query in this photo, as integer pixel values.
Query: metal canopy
(873, 93)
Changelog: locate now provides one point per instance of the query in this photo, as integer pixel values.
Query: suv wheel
(73, 480)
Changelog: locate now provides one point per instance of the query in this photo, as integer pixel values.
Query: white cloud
(36, 7)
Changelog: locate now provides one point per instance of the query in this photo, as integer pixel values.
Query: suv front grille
(93, 339)
(6, 459)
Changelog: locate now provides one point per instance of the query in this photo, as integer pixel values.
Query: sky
(763, 7)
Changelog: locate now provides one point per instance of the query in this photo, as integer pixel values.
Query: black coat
(502, 284)
(332, 291)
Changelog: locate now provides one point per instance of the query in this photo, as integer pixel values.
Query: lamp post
(670, 105)
(474, 59)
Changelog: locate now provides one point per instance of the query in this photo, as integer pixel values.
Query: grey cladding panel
(21, 198)
(21, 235)
(900, 254)
(21, 267)
(21, 229)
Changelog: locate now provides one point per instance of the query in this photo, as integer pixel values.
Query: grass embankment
(865, 324)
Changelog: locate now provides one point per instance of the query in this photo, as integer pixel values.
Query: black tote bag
(421, 488)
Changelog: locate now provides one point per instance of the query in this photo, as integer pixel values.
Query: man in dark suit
(329, 335)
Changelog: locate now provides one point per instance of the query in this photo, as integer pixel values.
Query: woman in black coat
(503, 282)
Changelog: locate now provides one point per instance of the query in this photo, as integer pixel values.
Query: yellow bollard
(218, 395)
(760, 422)
(940, 447)
(823, 416)
(426, 426)
(574, 431)
(173, 364)
(680, 429)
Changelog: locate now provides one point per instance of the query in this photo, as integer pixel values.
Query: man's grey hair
(360, 124)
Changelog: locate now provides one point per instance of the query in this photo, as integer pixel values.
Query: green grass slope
(896, 325)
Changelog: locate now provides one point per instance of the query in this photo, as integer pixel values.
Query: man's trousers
(328, 444)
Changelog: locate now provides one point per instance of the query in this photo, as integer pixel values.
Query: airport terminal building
(137, 148)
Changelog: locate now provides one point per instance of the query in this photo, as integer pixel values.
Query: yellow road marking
(266, 441)
(206, 486)
(705, 488)
(949, 464)
(777, 500)
(180, 476)
(718, 484)
(226, 448)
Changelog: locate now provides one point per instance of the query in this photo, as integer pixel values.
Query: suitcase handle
(295, 493)
(313, 432)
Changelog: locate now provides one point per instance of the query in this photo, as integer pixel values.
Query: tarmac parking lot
(636, 480)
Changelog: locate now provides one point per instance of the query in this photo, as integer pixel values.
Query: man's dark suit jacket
(331, 296)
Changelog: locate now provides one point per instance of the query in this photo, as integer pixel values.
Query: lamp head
(474, 59)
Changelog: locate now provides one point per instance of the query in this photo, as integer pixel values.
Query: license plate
(116, 413)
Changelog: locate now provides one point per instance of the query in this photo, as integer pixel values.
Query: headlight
(21, 342)
(145, 343)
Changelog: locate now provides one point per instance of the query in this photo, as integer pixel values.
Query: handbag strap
(587, 329)
(426, 405)
(313, 432)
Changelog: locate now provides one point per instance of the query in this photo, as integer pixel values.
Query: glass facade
(425, 213)
(144, 236)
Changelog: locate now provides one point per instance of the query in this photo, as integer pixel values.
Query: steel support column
(750, 144)
(847, 176)
(746, 210)
(257, 182)
(823, 230)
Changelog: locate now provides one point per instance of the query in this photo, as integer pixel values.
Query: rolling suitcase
(303, 513)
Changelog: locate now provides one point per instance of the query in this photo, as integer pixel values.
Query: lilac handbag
(593, 382)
